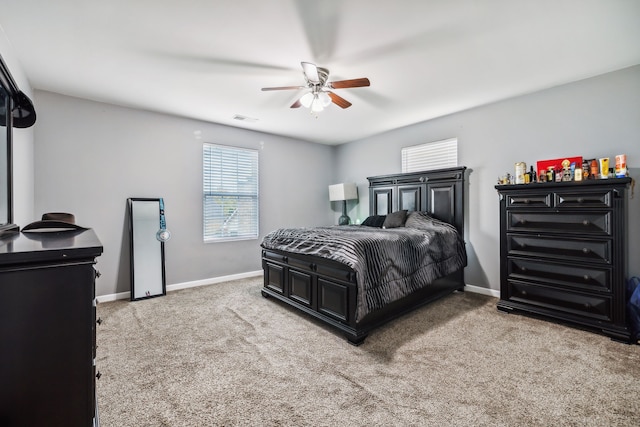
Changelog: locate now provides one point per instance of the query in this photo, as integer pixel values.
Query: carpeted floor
(222, 355)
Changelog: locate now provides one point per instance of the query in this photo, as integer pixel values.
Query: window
(432, 155)
(229, 193)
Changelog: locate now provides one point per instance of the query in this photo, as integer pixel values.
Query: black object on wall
(16, 110)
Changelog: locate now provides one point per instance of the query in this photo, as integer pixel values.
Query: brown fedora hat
(54, 221)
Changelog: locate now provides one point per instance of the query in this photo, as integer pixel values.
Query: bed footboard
(322, 288)
(327, 291)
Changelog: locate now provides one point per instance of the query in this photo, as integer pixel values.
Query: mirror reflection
(4, 156)
(16, 110)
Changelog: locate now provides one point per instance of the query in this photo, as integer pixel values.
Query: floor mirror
(146, 222)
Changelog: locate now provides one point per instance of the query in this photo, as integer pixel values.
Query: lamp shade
(348, 191)
(316, 105)
(307, 99)
(324, 98)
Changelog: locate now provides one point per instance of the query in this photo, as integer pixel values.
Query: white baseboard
(185, 285)
(481, 290)
(211, 281)
(113, 297)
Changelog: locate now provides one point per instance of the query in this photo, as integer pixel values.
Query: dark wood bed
(327, 289)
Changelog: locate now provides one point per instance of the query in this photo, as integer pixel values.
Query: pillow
(419, 220)
(424, 221)
(374, 221)
(395, 219)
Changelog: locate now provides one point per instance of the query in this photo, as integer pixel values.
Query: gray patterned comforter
(389, 263)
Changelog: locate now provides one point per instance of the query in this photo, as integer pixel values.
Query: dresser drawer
(597, 223)
(592, 306)
(531, 200)
(565, 275)
(593, 199)
(560, 248)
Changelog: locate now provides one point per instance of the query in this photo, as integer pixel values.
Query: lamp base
(344, 220)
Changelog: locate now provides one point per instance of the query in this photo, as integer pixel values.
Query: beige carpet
(222, 355)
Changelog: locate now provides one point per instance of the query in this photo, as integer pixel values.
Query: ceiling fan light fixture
(317, 104)
(320, 94)
(307, 99)
(324, 98)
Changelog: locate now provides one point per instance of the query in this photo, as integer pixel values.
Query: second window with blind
(431, 155)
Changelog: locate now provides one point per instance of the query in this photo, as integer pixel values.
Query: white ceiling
(208, 59)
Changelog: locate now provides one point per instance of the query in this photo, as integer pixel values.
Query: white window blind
(432, 155)
(230, 193)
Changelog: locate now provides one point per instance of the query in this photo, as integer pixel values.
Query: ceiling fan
(320, 94)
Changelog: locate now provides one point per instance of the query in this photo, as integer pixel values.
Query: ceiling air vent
(244, 118)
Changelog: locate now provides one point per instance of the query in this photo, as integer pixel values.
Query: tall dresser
(563, 252)
(48, 329)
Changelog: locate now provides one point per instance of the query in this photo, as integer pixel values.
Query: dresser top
(17, 248)
(566, 184)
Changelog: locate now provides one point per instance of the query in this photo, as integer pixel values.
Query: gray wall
(597, 117)
(90, 157)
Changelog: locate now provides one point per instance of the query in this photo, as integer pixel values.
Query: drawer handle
(526, 201)
(523, 268)
(523, 221)
(587, 305)
(523, 245)
(580, 200)
(586, 277)
(586, 250)
(285, 259)
(523, 292)
(586, 222)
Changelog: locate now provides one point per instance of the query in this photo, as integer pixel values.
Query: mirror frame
(9, 88)
(18, 113)
(132, 247)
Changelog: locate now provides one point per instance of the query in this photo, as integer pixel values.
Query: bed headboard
(439, 192)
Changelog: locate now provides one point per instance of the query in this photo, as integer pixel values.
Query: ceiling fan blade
(339, 101)
(296, 104)
(342, 84)
(311, 71)
(282, 88)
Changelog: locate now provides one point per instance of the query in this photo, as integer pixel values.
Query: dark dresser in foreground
(563, 252)
(48, 329)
